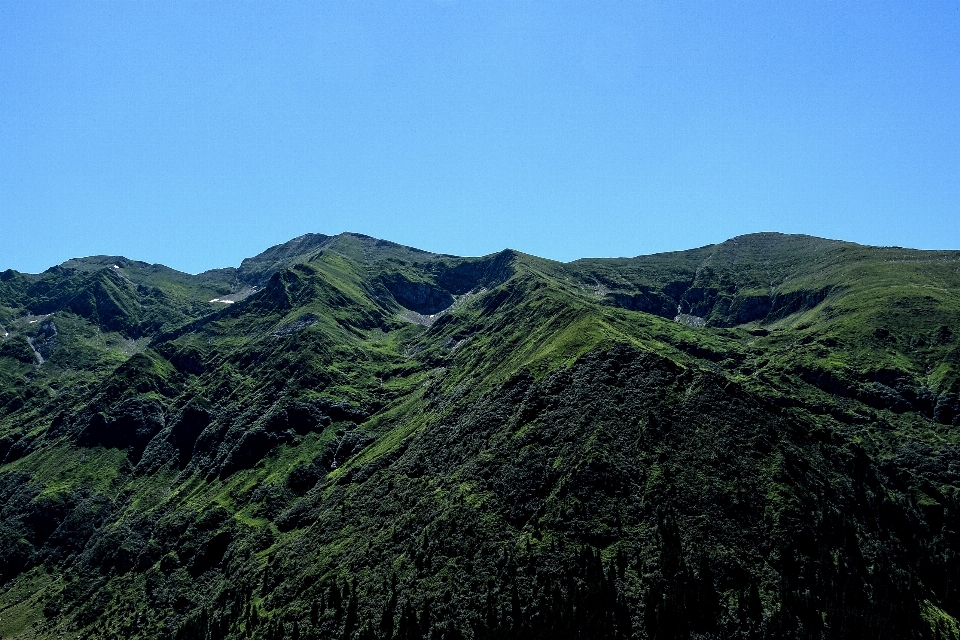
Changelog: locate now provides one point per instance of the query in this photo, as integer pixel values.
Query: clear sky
(197, 133)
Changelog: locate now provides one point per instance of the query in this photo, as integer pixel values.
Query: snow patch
(236, 296)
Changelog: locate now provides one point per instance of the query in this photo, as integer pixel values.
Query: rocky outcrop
(242, 447)
(473, 274)
(647, 301)
(422, 297)
(720, 308)
(129, 426)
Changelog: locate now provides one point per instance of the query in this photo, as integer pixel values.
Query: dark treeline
(584, 603)
(587, 598)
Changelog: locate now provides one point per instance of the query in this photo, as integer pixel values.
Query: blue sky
(197, 133)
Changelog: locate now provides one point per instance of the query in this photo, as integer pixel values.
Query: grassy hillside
(348, 438)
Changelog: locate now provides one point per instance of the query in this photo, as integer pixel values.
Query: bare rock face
(45, 339)
(421, 297)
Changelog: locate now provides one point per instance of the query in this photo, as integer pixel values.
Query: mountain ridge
(289, 247)
(345, 437)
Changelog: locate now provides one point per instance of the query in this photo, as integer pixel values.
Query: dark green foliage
(18, 348)
(756, 439)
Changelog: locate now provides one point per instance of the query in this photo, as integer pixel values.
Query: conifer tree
(387, 618)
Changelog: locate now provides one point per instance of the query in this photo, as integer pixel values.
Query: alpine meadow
(350, 438)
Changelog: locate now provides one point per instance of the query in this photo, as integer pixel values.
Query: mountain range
(349, 438)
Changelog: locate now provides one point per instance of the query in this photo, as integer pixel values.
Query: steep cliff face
(753, 439)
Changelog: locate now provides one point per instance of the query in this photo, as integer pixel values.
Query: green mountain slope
(348, 438)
